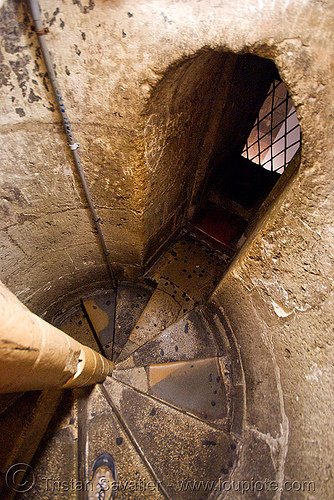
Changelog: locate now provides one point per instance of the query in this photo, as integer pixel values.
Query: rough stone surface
(255, 477)
(78, 327)
(110, 58)
(187, 339)
(193, 268)
(131, 302)
(179, 447)
(160, 312)
(55, 463)
(106, 434)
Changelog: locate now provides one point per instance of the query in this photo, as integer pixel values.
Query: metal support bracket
(41, 32)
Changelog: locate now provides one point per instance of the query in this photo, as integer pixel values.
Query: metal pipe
(36, 16)
(35, 355)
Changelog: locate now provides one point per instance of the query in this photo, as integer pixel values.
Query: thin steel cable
(35, 13)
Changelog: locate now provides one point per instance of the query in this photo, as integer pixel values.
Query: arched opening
(220, 132)
(240, 178)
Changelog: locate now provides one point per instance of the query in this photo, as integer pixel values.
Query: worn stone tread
(105, 434)
(100, 309)
(188, 339)
(132, 299)
(179, 447)
(191, 265)
(78, 327)
(160, 312)
(198, 387)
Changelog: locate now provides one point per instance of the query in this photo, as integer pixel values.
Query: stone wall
(111, 58)
(120, 68)
(278, 295)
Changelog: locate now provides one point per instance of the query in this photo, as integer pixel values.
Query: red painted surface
(220, 225)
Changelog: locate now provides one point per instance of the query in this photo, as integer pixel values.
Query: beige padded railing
(35, 355)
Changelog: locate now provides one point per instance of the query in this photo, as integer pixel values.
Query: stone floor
(170, 414)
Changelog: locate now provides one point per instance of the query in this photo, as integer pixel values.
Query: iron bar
(271, 128)
(256, 144)
(275, 141)
(277, 125)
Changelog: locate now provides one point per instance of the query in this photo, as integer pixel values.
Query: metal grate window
(275, 137)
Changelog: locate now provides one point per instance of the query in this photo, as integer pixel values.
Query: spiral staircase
(171, 414)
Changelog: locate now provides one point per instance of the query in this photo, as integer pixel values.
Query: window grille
(275, 137)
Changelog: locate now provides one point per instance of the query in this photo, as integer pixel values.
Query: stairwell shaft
(35, 355)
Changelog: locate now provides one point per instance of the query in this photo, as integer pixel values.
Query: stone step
(161, 311)
(180, 448)
(105, 433)
(188, 339)
(78, 326)
(132, 299)
(100, 309)
(221, 228)
(190, 265)
(55, 465)
(199, 387)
